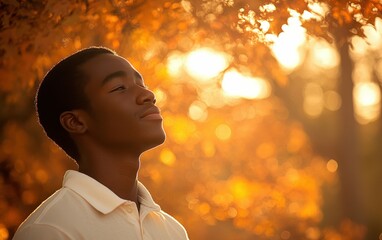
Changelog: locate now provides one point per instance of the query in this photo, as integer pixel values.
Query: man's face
(122, 115)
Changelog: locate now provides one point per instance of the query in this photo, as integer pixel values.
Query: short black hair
(62, 89)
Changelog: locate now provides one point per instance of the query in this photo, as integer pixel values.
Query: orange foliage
(256, 175)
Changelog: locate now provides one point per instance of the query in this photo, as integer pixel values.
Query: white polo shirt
(85, 209)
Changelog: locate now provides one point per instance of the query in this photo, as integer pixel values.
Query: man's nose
(146, 96)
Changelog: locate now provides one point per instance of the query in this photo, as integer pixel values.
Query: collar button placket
(129, 209)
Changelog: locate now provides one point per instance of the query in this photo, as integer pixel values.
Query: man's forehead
(107, 60)
(105, 64)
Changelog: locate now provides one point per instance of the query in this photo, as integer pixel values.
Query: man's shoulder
(169, 218)
(61, 203)
(40, 232)
(172, 223)
(58, 210)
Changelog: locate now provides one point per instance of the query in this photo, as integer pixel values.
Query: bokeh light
(236, 85)
(175, 64)
(313, 99)
(332, 100)
(332, 165)
(160, 97)
(374, 35)
(223, 132)
(317, 10)
(204, 64)
(240, 161)
(372, 42)
(367, 101)
(286, 47)
(198, 111)
(324, 55)
(4, 234)
(167, 157)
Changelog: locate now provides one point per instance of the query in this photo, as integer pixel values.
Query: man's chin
(156, 142)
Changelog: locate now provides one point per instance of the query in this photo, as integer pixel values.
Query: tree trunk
(348, 150)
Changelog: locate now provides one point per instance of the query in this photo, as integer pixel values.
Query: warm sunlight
(332, 100)
(204, 64)
(223, 132)
(374, 35)
(270, 112)
(198, 111)
(313, 99)
(367, 101)
(316, 11)
(287, 45)
(167, 157)
(332, 165)
(324, 55)
(175, 64)
(236, 85)
(373, 40)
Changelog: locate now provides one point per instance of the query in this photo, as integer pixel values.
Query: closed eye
(119, 88)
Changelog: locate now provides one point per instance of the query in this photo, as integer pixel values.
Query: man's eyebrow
(138, 75)
(113, 75)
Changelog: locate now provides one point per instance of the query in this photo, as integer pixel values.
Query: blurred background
(272, 110)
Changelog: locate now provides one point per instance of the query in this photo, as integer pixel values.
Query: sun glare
(204, 64)
(316, 11)
(372, 42)
(324, 55)
(175, 64)
(374, 35)
(286, 46)
(236, 85)
(367, 101)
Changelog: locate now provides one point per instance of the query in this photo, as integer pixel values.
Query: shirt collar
(101, 197)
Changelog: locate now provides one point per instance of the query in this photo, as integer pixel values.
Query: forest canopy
(266, 137)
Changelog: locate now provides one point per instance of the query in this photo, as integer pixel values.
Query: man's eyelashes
(119, 88)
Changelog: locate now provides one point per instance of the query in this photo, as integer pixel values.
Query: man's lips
(151, 113)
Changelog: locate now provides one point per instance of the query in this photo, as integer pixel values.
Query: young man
(96, 107)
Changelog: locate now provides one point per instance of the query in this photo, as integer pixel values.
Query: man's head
(82, 95)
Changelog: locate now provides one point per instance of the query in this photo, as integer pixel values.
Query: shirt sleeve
(40, 232)
(176, 226)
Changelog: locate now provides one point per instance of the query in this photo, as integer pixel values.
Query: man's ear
(73, 122)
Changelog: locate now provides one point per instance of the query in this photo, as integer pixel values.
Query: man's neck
(119, 174)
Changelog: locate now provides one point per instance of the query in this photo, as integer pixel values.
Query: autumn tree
(233, 168)
(335, 21)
